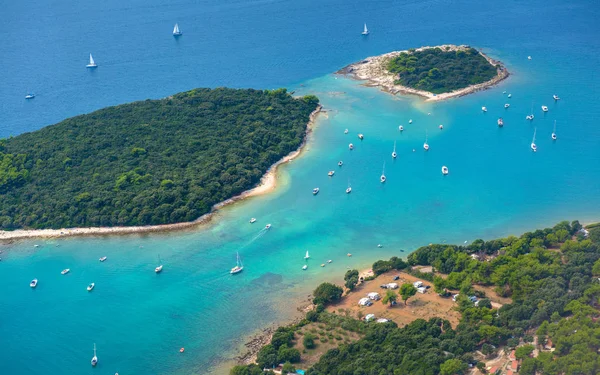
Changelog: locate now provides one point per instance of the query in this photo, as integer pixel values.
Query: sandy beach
(267, 184)
(373, 70)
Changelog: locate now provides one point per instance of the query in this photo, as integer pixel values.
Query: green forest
(439, 71)
(550, 274)
(149, 162)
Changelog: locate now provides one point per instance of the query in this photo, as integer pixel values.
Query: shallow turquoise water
(496, 185)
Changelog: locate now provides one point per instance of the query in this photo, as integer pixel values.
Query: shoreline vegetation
(526, 304)
(267, 184)
(375, 71)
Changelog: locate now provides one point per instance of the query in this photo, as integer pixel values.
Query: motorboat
(555, 97)
(29, 96)
(91, 287)
(500, 122)
(268, 226)
(33, 283)
(401, 128)
(554, 137)
(506, 106)
(441, 127)
(444, 170)
(361, 136)
(533, 146)
(544, 108)
(351, 146)
(528, 57)
(394, 154)
(484, 109)
(315, 191)
(329, 261)
(253, 220)
(340, 163)
(92, 64)
(382, 178)
(365, 30)
(410, 121)
(65, 271)
(509, 96)
(305, 267)
(330, 173)
(348, 190)
(103, 259)
(176, 31)
(426, 145)
(239, 267)
(306, 256)
(346, 131)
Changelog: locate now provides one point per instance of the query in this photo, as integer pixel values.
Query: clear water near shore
(496, 186)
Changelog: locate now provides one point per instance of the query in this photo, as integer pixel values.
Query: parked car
(384, 286)
(396, 278)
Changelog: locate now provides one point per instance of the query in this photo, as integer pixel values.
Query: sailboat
(394, 152)
(306, 256)
(94, 360)
(365, 30)
(238, 267)
(92, 63)
(176, 31)
(426, 145)
(554, 132)
(533, 146)
(530, 117)
(160, 266)
(382, 178)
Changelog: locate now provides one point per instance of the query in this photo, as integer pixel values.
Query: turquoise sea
(496, 185)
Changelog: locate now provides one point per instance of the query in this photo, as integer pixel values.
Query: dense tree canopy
(439, 71)
(149, 162)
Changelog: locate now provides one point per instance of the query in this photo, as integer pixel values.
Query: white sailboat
(176, 31)
(365, 30)
(238, 265)
(426, 145)
(533, 146)
(306, 256)
(382, 178)
(92, 63)
(394, 152)
(554, 132)
(160, 266)
(94, 360)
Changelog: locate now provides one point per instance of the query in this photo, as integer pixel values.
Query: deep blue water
(496, 185)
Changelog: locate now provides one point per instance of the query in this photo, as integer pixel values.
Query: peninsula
(525, 304)
(139, 166)
(435, 73)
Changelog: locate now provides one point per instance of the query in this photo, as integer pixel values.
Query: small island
(147, 163)
(435, 73)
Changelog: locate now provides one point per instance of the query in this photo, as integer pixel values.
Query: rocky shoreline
(373, 70)
(267, 183)
(257, 341)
